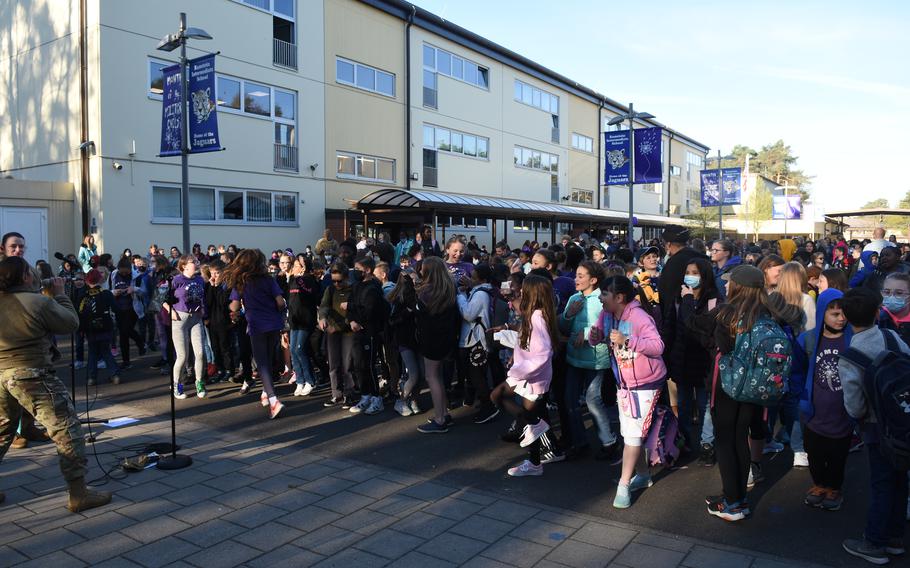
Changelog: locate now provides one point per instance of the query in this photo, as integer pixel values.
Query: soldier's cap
(746, 275)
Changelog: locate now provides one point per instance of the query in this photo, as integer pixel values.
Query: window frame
(540, 97)
(357, 157)
(578, 138)
(482, 70)
(452, 134)
(376, 71)
(219, 218)
(532, 152)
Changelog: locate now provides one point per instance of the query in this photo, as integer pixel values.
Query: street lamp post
(171, 42)
(631, 116)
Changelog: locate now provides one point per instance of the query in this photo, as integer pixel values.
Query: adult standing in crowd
(86, 252)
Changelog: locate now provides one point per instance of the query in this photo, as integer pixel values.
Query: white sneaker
(402, 408)
(415, 408)
(525, 469)
(800, 459)
(376, 406)
(303, 390)
(362, 405)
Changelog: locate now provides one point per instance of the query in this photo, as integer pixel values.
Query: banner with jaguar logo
(203, 115)
(617, 150)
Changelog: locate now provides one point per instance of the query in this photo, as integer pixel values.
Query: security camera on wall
(117, 166)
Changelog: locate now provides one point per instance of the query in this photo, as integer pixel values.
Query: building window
(536, 160)
(582, 196)
(365, 168)
(284, 8)
(364, 77)
(530, 95)
(448, 64)
(217, 205)
(582, 142)
(694, 164)
(675, 171)
(228, 93)
(452, 141)
(257, 99)
(156, 78)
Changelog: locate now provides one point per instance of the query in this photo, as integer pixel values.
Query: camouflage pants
(40, 392)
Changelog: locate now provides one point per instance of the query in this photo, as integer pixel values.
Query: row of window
(530, 95)
(222, 204)
(450, 65)
(465, 222)
(365, 168)
(364, 77)
(582, 142)
(582, 196)
(284, 8)
(535, 159)
(447, 140)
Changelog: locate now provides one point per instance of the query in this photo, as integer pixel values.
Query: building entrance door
(31, 222)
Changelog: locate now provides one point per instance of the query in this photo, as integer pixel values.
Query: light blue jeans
(299, 358)
(590, 382)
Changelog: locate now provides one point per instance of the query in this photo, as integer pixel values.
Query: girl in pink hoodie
(532, 369)
(640, 373)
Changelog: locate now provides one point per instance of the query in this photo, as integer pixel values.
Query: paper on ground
(117, 422)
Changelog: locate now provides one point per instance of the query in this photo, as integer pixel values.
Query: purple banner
(787, 207)
(616, 162)
(648, 165)
(171, 112)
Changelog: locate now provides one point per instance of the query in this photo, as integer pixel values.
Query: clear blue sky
(832, 79)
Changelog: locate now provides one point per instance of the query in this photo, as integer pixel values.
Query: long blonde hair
(793, 283)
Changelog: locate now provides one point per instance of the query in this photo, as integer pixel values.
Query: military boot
(82, 498)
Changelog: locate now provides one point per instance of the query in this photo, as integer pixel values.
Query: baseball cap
(746, 275)
(648, 250)
(675, 234)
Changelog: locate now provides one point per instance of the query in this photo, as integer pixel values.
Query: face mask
(893, 304)
(835, 331)
(357, 275)
(691, 280)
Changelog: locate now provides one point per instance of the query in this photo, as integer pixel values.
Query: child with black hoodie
(218, 300)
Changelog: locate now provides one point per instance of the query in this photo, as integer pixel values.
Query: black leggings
(732, 420)
(264, 346)
(529, 412)
(827, 458)
(126, 326)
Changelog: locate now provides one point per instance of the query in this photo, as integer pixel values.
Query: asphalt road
(473, 456)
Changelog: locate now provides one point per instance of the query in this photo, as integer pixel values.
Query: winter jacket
(688, 362)
(586, 356)
(437, 332)
(637, 364)
(367, 306)
(719, 282)
(671, 280)
(886, 320)
(475, 307)
(331, 311)
(303, 301)
(29, 321)
(218, 301)
(85, 257)
(534, 364)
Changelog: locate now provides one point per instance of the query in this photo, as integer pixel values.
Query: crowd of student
(639, 337)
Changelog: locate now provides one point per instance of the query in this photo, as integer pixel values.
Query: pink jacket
(639, 362)
(534, 364)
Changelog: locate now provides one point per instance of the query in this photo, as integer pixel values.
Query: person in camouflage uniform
(28, 380)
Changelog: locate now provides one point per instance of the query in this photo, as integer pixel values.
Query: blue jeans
(590, 382)
(886, 516)
(698, 396)
(791, 430)
(299, 358)
(100, 348)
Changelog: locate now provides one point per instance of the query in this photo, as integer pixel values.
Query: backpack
(96, 315)
(757, 369)
(886, 383)
(664, 438)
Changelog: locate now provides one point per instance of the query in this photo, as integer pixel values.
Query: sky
(832, 79)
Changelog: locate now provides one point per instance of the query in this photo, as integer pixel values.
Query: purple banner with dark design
(171, 112)
(616, 157)
(648, 165)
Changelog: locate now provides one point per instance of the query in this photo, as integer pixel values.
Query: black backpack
(886, 383)
(96, 313)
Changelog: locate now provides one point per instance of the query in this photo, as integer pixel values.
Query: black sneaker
(449, 421)
(706, 457)
(332, 402)
(609, 453)
(142, 351)
(552, 456)
(862, 548)
(347, 403)
(486, 415)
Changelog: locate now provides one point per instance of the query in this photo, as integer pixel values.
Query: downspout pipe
(669, 168)
(85, 157)
(600, 151)
(407, 96)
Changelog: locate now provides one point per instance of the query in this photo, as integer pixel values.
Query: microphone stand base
(174, 461)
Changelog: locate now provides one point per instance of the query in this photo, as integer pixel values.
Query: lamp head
(617, 120)
(170, 42)
(196, 33)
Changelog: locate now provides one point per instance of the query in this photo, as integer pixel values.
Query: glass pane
(442, 139)
(258, 207)
(344, 71)
(516, 157)
(229, 93)
(429, 57)
(470, 145)
(257, 99)
(285, 7)
(156, 80)
(285, 208)
(545, 161)
(429, 158)
(230, 203)
(285, 134)
(457, 67)
(165, 202)
(345, 164)
(202, 204)
(285, 104)
(517, 91)
(470, 72)
(429, 79)
(386, 170)
(366, 78)
(366, 167)
(526, 95)
(536, 98)
(554, 105)
(527, 158)
(483, 148)
(554, 163)
(483, 77)
(444, 62)
(457, 145)
(535, 159)
(385, 83)
(429, 137)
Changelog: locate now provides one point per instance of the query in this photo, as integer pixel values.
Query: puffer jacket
(586, 356)
(638, 364)
(30, 321)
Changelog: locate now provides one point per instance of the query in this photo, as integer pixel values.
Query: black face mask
(142, 269)
(830, 329)
(357, 275)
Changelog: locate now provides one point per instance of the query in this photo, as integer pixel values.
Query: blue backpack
(758, 368)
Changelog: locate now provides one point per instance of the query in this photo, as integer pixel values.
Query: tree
(880, 203)
(757, 208)
(702, 221)
(896, 222)
(905, 202)
(775, 162)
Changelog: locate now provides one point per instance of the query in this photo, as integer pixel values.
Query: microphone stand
(175, 460)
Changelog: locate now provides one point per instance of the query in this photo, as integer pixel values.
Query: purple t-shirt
(259, 307)
(190, 294)
(459, 269)
(564, 287)
(830, 419)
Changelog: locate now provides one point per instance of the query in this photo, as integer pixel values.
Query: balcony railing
(285, 157)
(284, 53)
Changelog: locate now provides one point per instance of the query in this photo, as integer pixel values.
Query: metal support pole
(184, 139)
(495, 224)
(720, 201)
(629, 238)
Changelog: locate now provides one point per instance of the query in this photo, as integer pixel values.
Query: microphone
(59, 256)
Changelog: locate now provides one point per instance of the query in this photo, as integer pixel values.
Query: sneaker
(773, 447)
(402, 408)
(800, 459)
(263, 399)
(433, 427)
(415, 408)
(525, 469)
(707, 458)
(639, 482)
(532, 432)
(115, 379)
(245, 387)
(485, 415)
(80, 364)
(361, 406)
(332, 402)
(375, 407)
(895, 547)
(293, 378)
(623, 499)
(862, 548)
(102, 364)
(303, 390)
(200, 389)
(449, 421)
(755, 475)
(274, 409)
(833, 500)
(609, 453)
(347, 402)
(178, 392)
(815, 496)
(552, 456)
(727, 512)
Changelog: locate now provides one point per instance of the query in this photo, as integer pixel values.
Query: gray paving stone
(287, 556)
(452, 547)
(231, 482)
(566, 519)
(453, 508)
(357, 473)
(57, 559)
(11, 532)
(100, 548)
(117, 563)
(516, 552)
(298, 459)
(542, 532)
(266, 469)
(705, 557)
(345, 502)
(145, 491)
(770, 563)
(484, 562)
(474, 497)
(256, 456)
(311, 471)
(670, 543)
(163, 552)
(428, 491)
(185, 478)
(11, 511)
(351, 558)
(390, 544)
(329, 540)
(211, 533)
(155, 529)
(228, 553)
(607, 536)
(269, 536)
(377, 488)
(201, 512)
(279, 484)
(47, 520)
(326, 486)
(102, 524)
(47, 542)
(254, 515)
(398, 505)
(148, 509)
(191, 495)
(579, 554)
(483, 528)
(309, 518)
(416, 559)
(222, 467)
(8, 557)
(423, 525)
(292, 499)
(241, 499)
(401, 477)
(641, 556)
(365, 521)
(509, 512)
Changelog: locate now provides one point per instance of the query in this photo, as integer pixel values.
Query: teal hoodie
(586, 356)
